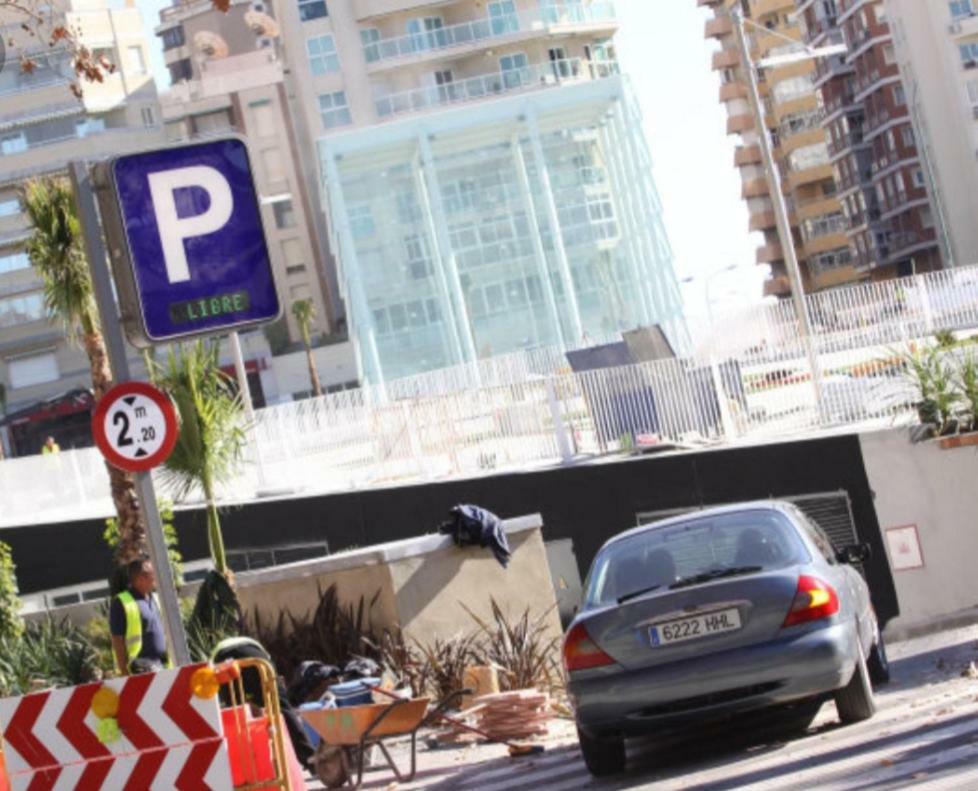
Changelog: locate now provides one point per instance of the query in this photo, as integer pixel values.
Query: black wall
(587, 503)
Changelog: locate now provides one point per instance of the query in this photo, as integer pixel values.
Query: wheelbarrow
(350, 731)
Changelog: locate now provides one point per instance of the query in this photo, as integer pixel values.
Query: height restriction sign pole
(134, 414)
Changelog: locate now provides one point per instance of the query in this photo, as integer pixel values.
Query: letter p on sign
(175, 229)
(190, 221)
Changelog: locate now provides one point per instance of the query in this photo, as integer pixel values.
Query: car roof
(737, 508)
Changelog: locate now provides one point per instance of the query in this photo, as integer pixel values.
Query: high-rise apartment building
(793, 115)
(227, 74)
(486, 181)
(936, 48)
(884, 176)
(43, 127)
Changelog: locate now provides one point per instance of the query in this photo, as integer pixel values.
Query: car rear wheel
(603, 756)
(878, 663)
(855, 702)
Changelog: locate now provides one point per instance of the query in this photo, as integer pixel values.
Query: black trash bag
(471, 525)
(310, 682)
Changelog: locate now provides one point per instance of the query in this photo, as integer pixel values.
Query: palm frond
(55, 252)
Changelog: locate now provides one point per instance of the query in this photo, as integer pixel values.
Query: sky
(661, 47)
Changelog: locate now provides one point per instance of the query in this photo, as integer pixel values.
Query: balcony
(733, 90)
(964, 27)
(777, 286)
(747, 155)
(737, 124)
(763, 221)
(904, 242)
(726, 59)
(769, 253)
(718, 27)
(487, 86)
(489, 31)
(845, 143)
(755, 189)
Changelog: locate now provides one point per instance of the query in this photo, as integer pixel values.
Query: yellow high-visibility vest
(134, 625)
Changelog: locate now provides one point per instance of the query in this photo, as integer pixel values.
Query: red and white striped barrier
(166, 737)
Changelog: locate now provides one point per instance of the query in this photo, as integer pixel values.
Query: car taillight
(813, 601)
(581, 652)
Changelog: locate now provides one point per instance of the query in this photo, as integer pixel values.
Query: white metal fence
(529, 408)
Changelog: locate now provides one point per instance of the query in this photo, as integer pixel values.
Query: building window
(969, 54)
(503, 18)
(89, 126)
(361, 222)
(926, 218)
(137, 61)
(369, 38)
(334, 110)
(322, 55)
(907, 135)
(149, 119)
(427, 33)
(297, 269)
(899, 96)
(918, 179)
(12, 262)
(889, 55)
(22, 308)
(515, 69)
(173, 37)
(312, 9)
(9, 206)
(961, 9)
(35, 370)
(13, 143)
(418, 264)
(181, 70)
(284, 214)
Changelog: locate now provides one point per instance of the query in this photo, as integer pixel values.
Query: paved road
(925, 736)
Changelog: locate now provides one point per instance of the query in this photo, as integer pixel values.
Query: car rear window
(662, 556)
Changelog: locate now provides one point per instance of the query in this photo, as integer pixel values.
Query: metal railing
(487, 28)
(542, 75)
(750, 382)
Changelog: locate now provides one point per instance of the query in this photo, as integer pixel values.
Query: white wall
(336, 365)
(934, 489)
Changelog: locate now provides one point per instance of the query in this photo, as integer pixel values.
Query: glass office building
(514, 223)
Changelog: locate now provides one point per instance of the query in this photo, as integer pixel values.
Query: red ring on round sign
(158, 397)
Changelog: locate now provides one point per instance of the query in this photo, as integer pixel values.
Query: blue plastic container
(354, 693)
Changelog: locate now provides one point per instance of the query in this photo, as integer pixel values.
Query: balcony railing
(541, 75)
(845, 142)
(486, 29)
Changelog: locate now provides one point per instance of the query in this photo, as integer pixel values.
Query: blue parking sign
(192, 226)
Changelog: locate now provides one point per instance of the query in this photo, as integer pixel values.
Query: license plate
(694, 627)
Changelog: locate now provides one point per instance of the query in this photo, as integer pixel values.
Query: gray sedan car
(715, 614)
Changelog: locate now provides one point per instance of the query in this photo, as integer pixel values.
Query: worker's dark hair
(136, 567)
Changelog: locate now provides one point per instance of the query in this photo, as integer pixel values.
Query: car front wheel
(603, 756)
(856, 702)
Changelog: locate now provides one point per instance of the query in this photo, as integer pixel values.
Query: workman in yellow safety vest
(136, 624)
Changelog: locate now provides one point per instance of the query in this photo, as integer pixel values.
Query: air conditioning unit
(971, 64)
(954, 28)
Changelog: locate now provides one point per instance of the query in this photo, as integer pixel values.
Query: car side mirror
(854, 553)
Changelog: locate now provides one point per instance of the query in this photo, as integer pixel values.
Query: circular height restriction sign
(135, 426)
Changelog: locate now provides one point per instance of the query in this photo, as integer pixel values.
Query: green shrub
(50, 653)
(11, 623)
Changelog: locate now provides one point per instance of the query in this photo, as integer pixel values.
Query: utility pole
(780, 209)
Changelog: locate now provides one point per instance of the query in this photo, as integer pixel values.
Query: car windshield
(707, 547)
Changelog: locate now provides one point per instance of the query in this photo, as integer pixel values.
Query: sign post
(119, 362)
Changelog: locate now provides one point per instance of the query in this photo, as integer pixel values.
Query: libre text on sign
(188, 227)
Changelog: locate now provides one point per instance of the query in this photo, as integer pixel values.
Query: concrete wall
(933, 489)
(421, 583)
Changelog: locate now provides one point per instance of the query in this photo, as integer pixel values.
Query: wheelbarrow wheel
(331, 765)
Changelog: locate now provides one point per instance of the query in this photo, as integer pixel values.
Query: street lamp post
(707, 281)
(774, 186)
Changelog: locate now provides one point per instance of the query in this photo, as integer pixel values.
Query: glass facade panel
(451, 243)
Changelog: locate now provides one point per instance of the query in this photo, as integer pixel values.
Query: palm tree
(212, 438)
(305, 311)
(55, 253)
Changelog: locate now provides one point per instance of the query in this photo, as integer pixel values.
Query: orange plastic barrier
(4, 782)
(249, 750)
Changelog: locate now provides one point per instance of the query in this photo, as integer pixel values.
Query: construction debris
(505, 716)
